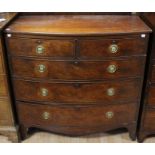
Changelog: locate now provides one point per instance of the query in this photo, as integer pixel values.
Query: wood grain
(77, 70)
(3, 86)
(7, 121)
(147, 125)
(2, 67)
(5, 113)
(78, 25)
(76, 120)
(52, 47)
(78, 93)
(99, 48)
(8, 16)
(76, 73)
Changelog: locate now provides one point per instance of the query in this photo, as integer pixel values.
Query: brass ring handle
(44, 91)
(113, 48)
(46, 115)
(111, 68)
(41, 68)
(40, 49)
(111, 92)
(109, 114)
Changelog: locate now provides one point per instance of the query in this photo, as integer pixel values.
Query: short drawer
(41, 47)
(6, 118)
(3, 86)
(148, 122)
(78, 70)
(32, 115)
(100, 48)
(72, 93)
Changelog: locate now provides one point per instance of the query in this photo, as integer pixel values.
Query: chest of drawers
(77, 74)
(7, 123)
(147, 123)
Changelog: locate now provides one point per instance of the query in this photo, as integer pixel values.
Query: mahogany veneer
(77, 74)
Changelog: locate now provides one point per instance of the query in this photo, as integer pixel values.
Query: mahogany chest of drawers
(147, 124)
(77, 74)
(7, 123)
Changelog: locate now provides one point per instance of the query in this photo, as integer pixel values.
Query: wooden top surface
(78, 24)
(8, 16)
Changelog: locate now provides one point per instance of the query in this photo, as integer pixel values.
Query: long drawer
(80, 116)
(72, 93)
(78, 70)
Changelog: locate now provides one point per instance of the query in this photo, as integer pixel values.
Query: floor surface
(45, 137)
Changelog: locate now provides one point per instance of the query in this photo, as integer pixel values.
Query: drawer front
(6, 118)
(83, 116)
(37, 47)
(148, 122)
(72, 93)
(101, 48)
(3, 86)
(78, 70)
